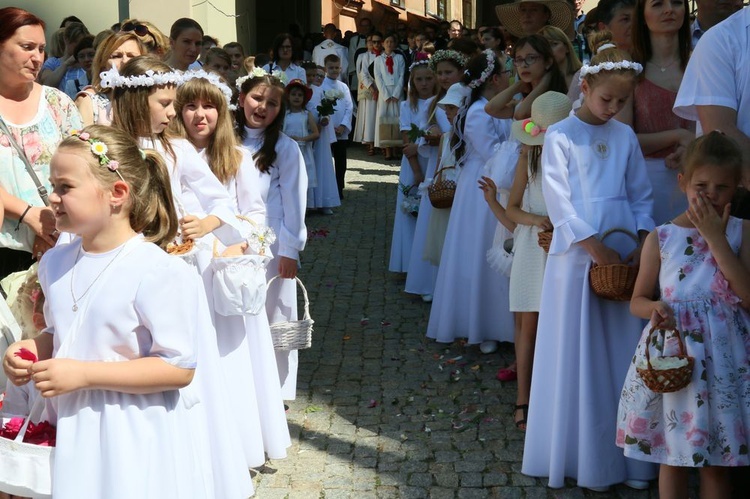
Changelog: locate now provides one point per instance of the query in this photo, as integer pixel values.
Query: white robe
(145, 304)
(389, 85)
(471, 299)
(285, 214)
(326, 192)
(593, 179)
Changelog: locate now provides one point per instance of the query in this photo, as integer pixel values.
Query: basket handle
(674, 331)
(306, 316)
(622, 231)
(239, 217)
(34, 413)
(439, 173)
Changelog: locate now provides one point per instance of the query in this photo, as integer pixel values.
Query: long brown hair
(151, 206)
(541, 45)
(222, 153)
(641, 36)
(413, 95)
(266, 155)
(130, 110)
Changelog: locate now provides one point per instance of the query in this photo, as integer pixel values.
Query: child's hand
(543, 222)
(193, 227)
(15, 367)
(287, 267)
(600, 253)
(704, 217)
(489, 189)
(55, 377)
(339, 129)
(662, 316)
(410, 150)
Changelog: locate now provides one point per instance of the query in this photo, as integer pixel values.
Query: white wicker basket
(293, 335)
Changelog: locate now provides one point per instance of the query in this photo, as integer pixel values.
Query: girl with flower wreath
(448, 66)
(700, 264)
(143, 106)
(117, 360)
(260, 120)
(470, 300)
(413, 118)
(593, 180)
(244, 342)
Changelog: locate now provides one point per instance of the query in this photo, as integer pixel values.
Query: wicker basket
(293, 335)
(544, 239)
(442, 191)
(666, 380)
(614, 282)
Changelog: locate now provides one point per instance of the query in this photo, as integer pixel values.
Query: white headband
(113, 79)
(258, 72)
(212, 78)
(490, 55)
(606, 46)
(423, 62)
(611, 66)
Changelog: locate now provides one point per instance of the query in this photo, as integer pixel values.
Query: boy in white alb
(341, 119)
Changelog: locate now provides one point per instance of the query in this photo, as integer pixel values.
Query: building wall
(104, 16)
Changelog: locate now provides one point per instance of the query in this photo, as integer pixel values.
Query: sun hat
(561, 16)
(546, 110)
(297, 83)
(455, 96)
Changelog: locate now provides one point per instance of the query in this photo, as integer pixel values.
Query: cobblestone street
(381, 411)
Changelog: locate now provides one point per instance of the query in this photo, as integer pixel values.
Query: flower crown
(610, 66)
(259, 72)
(447, 55)
(212, 78)
(99, 149)
(423, 62)
(478, 82)
(112, 79)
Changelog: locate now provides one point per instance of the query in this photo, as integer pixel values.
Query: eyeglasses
(527, 61)
(140, 29)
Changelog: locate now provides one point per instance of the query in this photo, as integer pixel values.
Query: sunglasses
(140, 29)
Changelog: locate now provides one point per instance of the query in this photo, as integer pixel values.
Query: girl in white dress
(244, 342)
(119, 351)
(259, 120)
(448, 66)
(527, 210)
(300, 126)
(389, 79)
(593, 179)
(413, 165)
(143, 107)
(471, 300)
(700, 263)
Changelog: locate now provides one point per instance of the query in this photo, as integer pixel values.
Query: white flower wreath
(113, 79)
(212, 78)
(611, 66)
(258, 72)
(447, 55)
(476, 83)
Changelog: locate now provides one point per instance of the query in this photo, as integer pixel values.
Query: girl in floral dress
(700, 262)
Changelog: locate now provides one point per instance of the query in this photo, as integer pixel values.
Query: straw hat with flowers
(561, 15)
(546, 110)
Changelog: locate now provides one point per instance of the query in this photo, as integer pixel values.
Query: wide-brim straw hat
(561, 16)
(297, 83)
(456, 95)
(546, 110)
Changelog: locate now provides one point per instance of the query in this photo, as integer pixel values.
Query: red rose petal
(26, 354)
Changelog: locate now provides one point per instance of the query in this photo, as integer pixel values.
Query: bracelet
(20, 220)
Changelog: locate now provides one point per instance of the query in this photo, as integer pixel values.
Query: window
(398, 3)
(436, 8)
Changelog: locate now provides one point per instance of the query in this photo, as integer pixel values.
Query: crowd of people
(135, 163)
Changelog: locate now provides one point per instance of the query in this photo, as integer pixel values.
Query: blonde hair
(223, 154)
(413, 95)
(157, 43)
(552, 33)
(130, 109)
(611, 54)
(151, 208)
(56, 47)
(105, 50)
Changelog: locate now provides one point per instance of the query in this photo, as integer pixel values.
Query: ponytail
(153, 212)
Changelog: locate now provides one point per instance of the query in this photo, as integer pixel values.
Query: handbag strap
(21, 154)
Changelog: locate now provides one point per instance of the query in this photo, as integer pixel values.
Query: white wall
(97, 15)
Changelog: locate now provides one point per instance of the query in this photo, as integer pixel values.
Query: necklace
(73, 275)
(663, 68)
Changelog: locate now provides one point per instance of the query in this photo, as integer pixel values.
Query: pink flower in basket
(11, 428)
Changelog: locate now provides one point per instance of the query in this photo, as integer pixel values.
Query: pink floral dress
(706, 423)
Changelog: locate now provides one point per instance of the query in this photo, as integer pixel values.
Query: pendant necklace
(664, 68)
(73, 275)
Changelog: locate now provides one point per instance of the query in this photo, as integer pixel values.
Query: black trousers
(338, 149)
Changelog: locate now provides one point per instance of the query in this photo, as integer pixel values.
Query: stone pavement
(381, 411)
